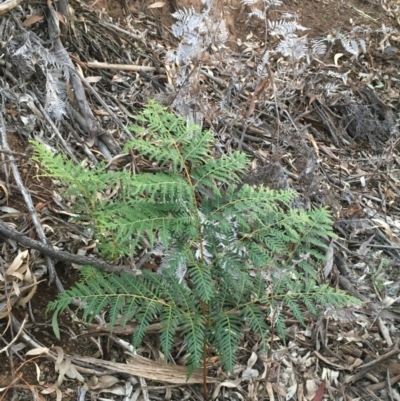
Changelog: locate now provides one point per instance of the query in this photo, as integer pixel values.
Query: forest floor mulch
(335, 139)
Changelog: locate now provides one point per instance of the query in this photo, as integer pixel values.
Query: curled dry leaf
(228, 384)
(388, 231)
(116, 390)
(337, 57)
(250, 373)
(51, 390)
(100, 383)
(17, 262)
(4, 188)
(252, 360)
(64, 366)
(21, 284)
(27, 298)
(7, 209)
(38, 372)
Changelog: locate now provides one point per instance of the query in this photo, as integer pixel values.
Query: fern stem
(204, 313)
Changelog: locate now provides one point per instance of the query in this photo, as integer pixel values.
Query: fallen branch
(49, 251)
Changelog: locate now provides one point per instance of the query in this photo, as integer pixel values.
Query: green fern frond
(194, 332)
(145, 315)
(291, 300)
(174, 141)
(255, 319)
(258, 289)
(161, 186)
(202, 281)
(161, 151)
(89, 272)
(223, 170)
(170, 319)
(226, 338)
(280, 325)
(309, 304)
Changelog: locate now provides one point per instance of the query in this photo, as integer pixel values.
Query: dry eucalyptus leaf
(7, 209)
(38, 351)
(27, 298)
(252, 360)
(16, 289)
(329, 261)
(17, 262)
(158, 4)
(279, 389)
(291, 391)
(32, 20)
(118, 390)
(93, 79)
(4, 188)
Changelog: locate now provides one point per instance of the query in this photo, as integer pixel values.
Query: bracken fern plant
(233, 254)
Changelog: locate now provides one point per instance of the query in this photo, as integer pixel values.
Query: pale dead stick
(363, 14)
(9, 5)
(121, 67)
